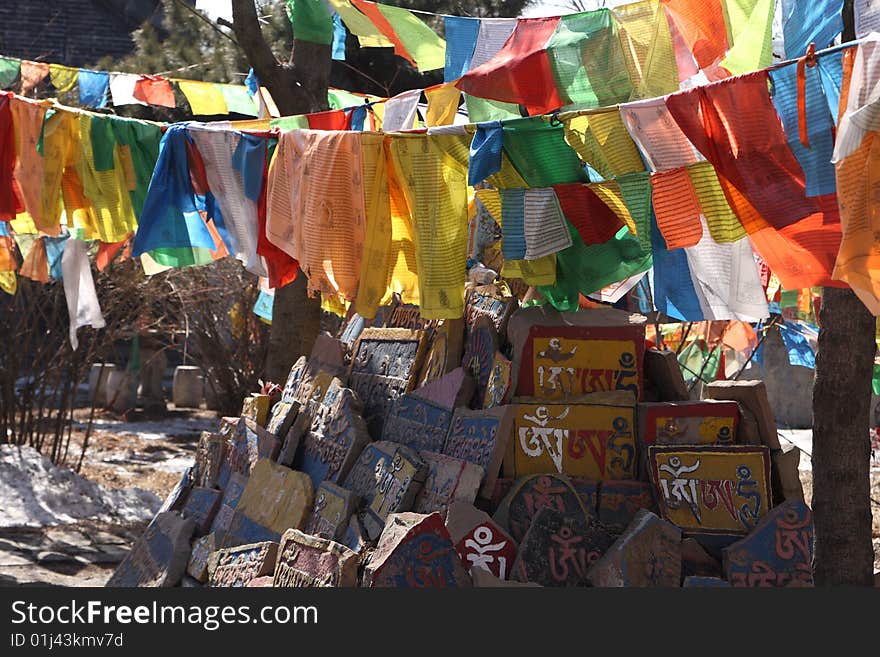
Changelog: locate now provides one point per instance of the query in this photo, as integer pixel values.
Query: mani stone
(479, 356)
(444, 354)
(558, 549)
(558, 356)
(487, 301)
(197, 567)
(451, 390)
(159, 557)
(177, 497)
(333, 508)
(384, 365)
(417, 423)
(261, 582)
(696, 561)
(531, 494)
(228, 502)
(247, 443)
(283, 415)
(201, 505)
(309, 561)
(336, 437)
(274, 500)
(663, 375)
(498, 386)
(415, 551)
(480, 542)
(647, 554)
(620, 501)
(449, 480)
(588, 491)
(785, 466)
(355, 538)
(292, 439)
(387, 477)
(753, 396)
(778, 552)
(209, 457)
(256, 408)
(239, 565)
(480, 437)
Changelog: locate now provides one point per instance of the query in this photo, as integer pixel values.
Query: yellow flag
(204, 98)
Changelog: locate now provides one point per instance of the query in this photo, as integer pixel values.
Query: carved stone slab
(335, 440)
(385, 364)
(481, 438)
(595, 441)
(415, 551)
(712, 490)
(309, 561)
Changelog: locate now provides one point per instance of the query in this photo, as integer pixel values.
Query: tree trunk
(297, 88)
(843, 553)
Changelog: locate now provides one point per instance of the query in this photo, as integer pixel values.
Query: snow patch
(36, 493)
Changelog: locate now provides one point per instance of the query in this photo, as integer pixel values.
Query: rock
(417, 423)
(785, 465)
(247, 443)
(228, 502)
(588, 491)
(444, 354)
(647, 554)
(594, 441)
(197, 567)
(201, 505)
(705, 422)
(531, 494)
(696, 581)
(480, 542)
(696, 561)
(558, 548)
(256, 408)
(449, 480)
(779, 552)
(305, 561)
(384, 365)
(620, 501)
(480, 347)
(333, 508)
(336, 437)
(452, 390)
(561, 355)
(275, 499)
(711, 490)
(488, 301)
(159, 557)
(266, 581)
(177, 497)
(239, 565)
(388, 477)
(753, 396)
(498, 386)
(293, 438)
(415, 551)
(187, 582)
(481, 438)
(210, 454)
(663, 375)
(282, 417)
(355, 537)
